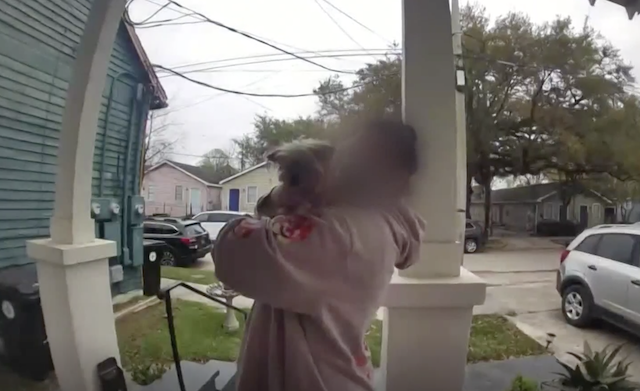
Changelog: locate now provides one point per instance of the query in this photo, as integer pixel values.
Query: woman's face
(363, 164)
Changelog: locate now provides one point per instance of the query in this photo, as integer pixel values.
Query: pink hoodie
(317, 285)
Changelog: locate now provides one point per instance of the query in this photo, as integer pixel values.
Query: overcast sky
(204, 119)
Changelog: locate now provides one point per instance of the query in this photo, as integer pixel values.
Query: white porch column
(73, 265)
(430, 305)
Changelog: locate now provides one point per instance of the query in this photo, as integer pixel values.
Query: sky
(202, 119)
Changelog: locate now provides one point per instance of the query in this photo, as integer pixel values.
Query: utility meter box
(136, 246)
(102, 209)
(136, 210)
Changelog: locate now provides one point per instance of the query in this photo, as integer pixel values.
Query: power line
(210, 69)
(356, 21)
(185, 14)
(255, 56)
(254, 38)
(203, 84)
(338, 24)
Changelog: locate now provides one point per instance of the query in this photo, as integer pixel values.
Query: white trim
(248, 170)
(601, 196)
(546, 196)
(247, 195)
(184, 172)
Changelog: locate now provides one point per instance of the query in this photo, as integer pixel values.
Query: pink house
(180, 189)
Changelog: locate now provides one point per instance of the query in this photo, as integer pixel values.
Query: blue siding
(38, 41)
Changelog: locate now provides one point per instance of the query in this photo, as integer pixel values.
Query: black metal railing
(165, 295)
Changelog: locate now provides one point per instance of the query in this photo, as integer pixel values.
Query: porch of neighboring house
(428, 307)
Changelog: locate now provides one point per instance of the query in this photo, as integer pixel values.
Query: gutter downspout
(107, 118)
(136, 102)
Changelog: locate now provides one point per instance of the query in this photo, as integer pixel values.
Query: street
(521, 285)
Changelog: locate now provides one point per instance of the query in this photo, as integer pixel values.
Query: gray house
(520, 208)
(38, 43)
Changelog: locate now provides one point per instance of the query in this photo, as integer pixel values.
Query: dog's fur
(303, 168)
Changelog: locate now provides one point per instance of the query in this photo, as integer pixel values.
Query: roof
(241, 173)
(197, 173)
(159, 95)
(529, 194)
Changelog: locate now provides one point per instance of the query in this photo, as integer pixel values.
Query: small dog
(304, 167)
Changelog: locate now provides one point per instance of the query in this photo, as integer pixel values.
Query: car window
(589, 245)
(167, 229)
(469, 226)
(202, 218)
(221, 217)
(150, 228)
(617, 247)
(193, 230)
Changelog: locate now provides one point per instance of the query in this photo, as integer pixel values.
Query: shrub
(521, 383)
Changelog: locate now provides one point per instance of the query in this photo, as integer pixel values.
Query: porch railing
(165, 295)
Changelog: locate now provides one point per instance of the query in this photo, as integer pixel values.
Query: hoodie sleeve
(288, 262)
(408, 229)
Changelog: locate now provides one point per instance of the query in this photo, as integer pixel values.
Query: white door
(608, 271)
(196, 203)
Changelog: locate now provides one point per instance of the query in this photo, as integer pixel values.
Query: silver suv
(599, 276)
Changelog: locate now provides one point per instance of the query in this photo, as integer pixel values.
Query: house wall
(264, 178)
(38, 40)
(522, 216)
(595, 209)
(165, 179)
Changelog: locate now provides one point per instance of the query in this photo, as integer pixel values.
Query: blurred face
(365, 166)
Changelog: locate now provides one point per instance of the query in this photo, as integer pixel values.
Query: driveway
(522, 286)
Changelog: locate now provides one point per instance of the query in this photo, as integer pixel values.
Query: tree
(218, 163)
(270, 132)
(158, 140)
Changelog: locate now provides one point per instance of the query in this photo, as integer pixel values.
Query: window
(252, 194)
(548, 211)
(193, 230)
(589, 245)
(166, 229)
(179, 193)
(469, 226)
(222, 217)
(617, 247)
(151, 193)
(201, 217)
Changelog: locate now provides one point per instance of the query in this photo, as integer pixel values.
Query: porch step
(197, 377)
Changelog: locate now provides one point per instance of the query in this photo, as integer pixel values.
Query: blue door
(234, 199)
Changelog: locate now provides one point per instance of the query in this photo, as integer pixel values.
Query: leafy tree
(219, 163)
(270, 132)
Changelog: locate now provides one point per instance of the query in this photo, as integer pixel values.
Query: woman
(318, 282)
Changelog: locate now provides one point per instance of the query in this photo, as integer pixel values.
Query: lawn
(146, 351)
(196, 276)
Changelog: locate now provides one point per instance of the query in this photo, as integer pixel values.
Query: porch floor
(484, 376)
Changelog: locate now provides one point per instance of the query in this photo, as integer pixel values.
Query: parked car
(474, 239)
(599, 277)
(186, 240)
(556, 228)
(213, 221)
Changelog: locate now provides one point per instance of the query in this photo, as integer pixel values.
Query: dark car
(474, 238)
(186, 240)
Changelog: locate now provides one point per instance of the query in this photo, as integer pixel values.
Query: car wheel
(168, 258)
(470, 246)
(577, 303)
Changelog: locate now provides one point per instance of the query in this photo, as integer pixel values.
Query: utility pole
(461, 125)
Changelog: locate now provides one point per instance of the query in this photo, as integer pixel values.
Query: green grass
(495, 338)
(129, 303)
(144, 342)
(185, 274)
(146, 350)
